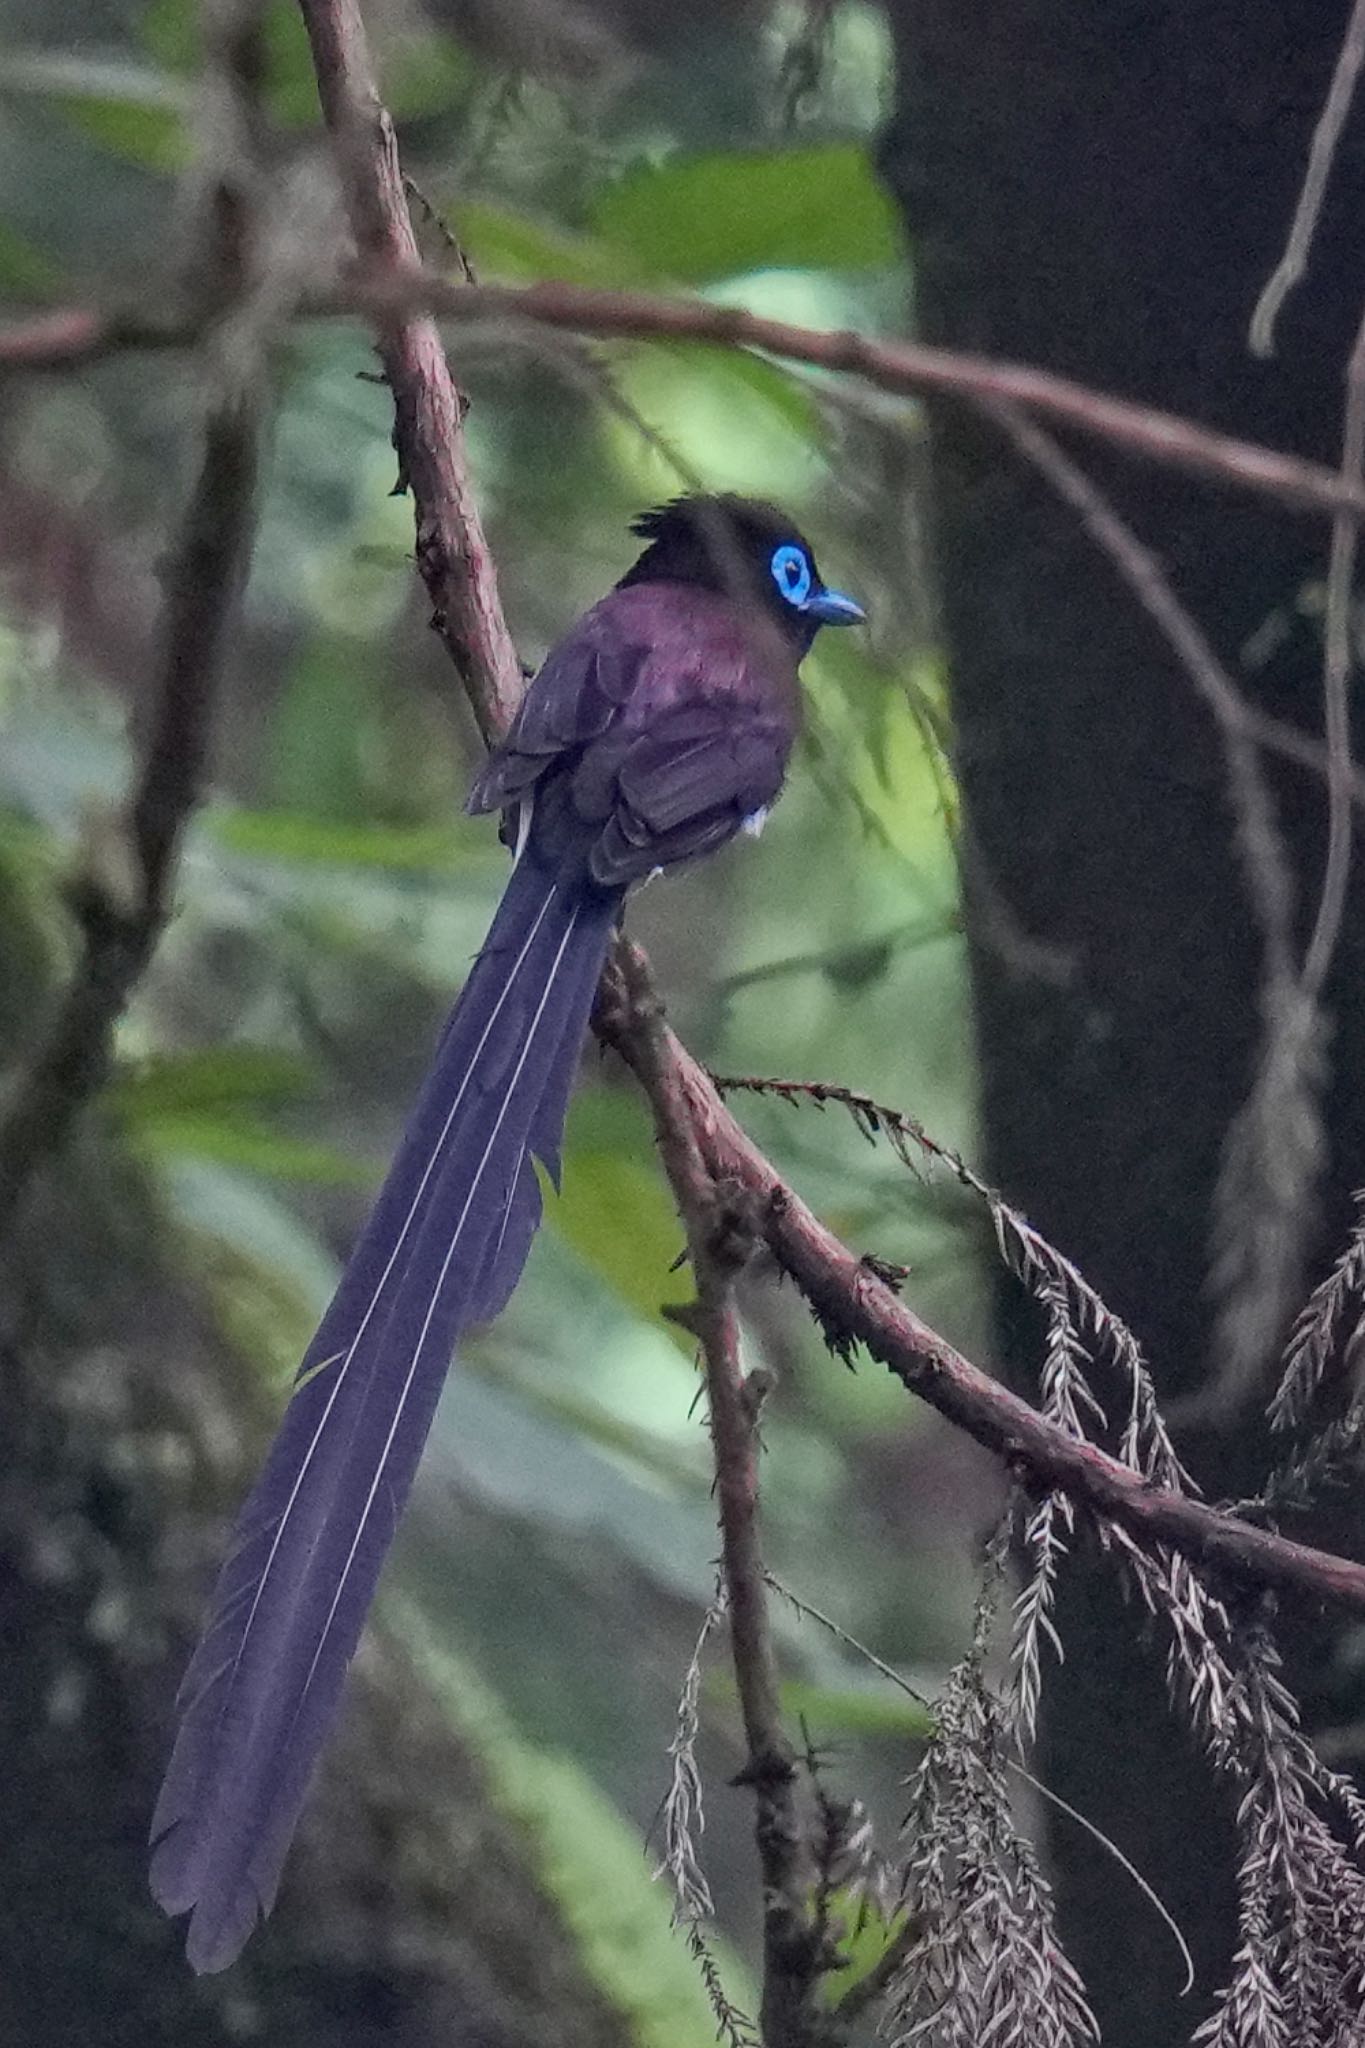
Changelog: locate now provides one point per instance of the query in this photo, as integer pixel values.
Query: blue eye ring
(791, 572)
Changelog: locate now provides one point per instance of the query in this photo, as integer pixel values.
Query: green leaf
(268, 1276)
(681, 1468)
(131, 110)
(422, 73)
(203, 1104)
(294, 836)
(242, 1140)
(740, 423)
(317, 730)
(615, 1210)
(864, 1940)
(699, 217)
(504, 242)
(170, 35)
(169, 32)
(857, 1710)
(24, 268)
(218, 1077)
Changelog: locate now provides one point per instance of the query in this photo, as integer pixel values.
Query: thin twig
(908, 368)
(847, 2005)
(122, 899)
(1336, 678)
(1275, 1145)
(1290, 269)
(1269, 882)
(719, 1239)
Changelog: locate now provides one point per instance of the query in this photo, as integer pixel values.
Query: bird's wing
(621, 776)
(574, 699)
(681, 788)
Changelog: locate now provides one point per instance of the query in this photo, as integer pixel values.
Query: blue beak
(832, 608)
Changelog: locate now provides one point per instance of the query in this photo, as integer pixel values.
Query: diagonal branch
(1290, 270)
(855, 1306)
(1337, 664)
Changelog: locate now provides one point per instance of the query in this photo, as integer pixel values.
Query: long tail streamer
(443, 1249)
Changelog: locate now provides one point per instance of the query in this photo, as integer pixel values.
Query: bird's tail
(442, 1250)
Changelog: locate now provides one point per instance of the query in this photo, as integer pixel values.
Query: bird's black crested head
(749, 550)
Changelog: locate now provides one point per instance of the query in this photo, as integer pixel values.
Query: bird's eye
(791, 573)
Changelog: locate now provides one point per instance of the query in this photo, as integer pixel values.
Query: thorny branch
(720, 1238)
(857, 1307)
(452, 554)
(122, 899)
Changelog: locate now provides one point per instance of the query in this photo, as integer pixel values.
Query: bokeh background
(560, 1553)
(1004, 892)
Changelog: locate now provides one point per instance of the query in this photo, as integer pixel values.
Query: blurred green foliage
(332, 892)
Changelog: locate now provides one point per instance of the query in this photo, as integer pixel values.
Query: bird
(656, 729)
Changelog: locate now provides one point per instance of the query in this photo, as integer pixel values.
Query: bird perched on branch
(658, 728)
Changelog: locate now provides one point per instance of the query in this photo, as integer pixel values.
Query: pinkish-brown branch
(396, 290)
(720, 1239)
(452, 554)
(856, 1306)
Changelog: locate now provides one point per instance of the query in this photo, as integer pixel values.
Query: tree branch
(720, 1239)
(855, 1306)
(452, 554)
(121, 900)
(398, 291)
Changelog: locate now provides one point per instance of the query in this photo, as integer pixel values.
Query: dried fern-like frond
(683, 1822)
(1145, 1443)
(1298, 1977)
(1250, 2012)
(733, 2027)
(1331, 1457)
(1067, 1400)
(1333, 1311)
(1044, 1546)
(683, 1814)
(984, 1963)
